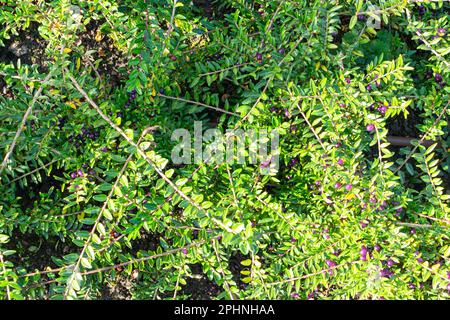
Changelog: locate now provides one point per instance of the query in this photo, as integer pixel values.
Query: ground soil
(28, 46)
(200, 287)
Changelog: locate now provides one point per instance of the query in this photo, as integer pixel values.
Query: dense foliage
(92, 90)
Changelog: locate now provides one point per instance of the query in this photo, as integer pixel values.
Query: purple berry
(331, 263)
(286, 113)
(258, 56)
(73, 175)
(80, 173)
(441, 32)
(293, 128)
(293, 162)
(184, 250)
(340, 162)
(370, 127)
(438, 77)
(265, 164)
(295, 295)
(363, 253)
(348, 80)
(390, 263)
(311, 296)
(348, 187)
(386, 273)
(281, 51)
(382, 109)
(422, 10)
(337, 185)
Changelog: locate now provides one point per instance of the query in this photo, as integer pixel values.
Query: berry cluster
(131, 98)
(86, 134)
(88, 171)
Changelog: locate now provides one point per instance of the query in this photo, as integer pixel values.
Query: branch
(22, 124)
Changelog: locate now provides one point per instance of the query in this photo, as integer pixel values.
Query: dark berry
(363, 253)
(293, 162)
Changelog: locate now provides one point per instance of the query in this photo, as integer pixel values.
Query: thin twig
(23, 123)
(198, 103)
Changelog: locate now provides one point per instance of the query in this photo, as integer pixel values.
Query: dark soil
(211, 9)
(108, 61)
(200, 287)
(28, 46)
(399, 126)
(236, 267)
(37, 252)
